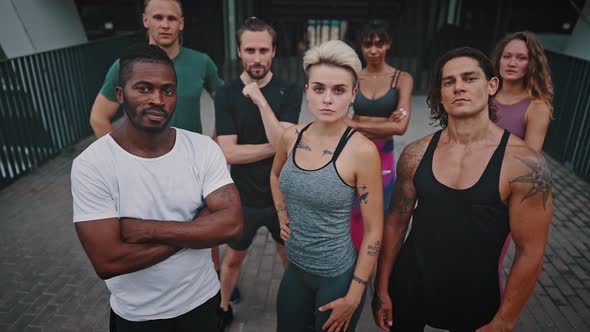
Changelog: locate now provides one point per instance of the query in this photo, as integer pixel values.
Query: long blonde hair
(537, 80)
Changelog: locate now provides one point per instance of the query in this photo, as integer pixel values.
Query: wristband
(359, 280)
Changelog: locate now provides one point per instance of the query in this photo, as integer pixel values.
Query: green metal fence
(45, 101)
(568, 137)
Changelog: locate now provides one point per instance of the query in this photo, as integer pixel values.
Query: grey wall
(579, 43)
(32, 26)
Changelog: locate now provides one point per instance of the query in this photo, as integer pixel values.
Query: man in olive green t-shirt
(194, 70)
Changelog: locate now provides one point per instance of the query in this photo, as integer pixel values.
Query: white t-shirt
(109, 182)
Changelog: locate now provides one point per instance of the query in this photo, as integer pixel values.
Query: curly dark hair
(141, 53)
(437, 110)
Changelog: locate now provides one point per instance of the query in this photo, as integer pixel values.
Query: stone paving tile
(47, 282)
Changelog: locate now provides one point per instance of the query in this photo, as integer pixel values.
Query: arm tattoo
(227, 193)
(281, 208)
(402, 201)
(539, 178)
(374, 249)
(359, 280)
(303, 146)
(363, 197)
(326, 151)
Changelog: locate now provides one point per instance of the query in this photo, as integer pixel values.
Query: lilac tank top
(511, 117)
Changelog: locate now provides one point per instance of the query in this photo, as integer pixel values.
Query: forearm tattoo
(281, 208)
(363, 194)
(539, 178)
(374, 249)
(359, 280)
(327, 152)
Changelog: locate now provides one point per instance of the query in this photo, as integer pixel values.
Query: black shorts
(202, 318)
(254, 218)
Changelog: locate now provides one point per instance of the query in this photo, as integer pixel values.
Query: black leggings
(202, 318)
(302, 293)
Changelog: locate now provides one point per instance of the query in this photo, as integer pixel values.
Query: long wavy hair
(537, 80)
(434, 99)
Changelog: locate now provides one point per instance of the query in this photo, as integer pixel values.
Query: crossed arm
(119, 246)
(396, 124)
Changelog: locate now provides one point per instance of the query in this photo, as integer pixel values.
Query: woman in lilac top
(526, 90)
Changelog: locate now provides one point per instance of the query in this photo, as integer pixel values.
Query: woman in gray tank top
(318, 170)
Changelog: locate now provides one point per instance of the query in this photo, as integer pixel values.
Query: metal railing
(45, 101)
(568, 137)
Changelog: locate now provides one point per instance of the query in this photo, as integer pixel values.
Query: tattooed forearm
(539, 178)
(281, 208)
(374, 249)
(303, 146)
(326, 151)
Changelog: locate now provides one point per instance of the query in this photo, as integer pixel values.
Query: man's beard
(254, 76)
(139, 126)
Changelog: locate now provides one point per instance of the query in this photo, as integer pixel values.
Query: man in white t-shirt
(137, 193)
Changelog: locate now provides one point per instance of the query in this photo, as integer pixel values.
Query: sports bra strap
(300, 134)
(342, 143)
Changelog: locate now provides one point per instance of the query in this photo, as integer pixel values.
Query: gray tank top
(319, 203)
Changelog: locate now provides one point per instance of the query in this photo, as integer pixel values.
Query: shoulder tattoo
(539, 178)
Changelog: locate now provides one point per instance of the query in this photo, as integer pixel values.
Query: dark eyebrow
(469, 73)
(336, 86)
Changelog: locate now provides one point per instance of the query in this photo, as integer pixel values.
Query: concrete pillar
(32, 26)
(579, 42)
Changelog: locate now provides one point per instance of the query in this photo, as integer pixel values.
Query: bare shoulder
(361, 144)
(404, 77)
(540, 106)
(290, 134)
(412, 155)
(519, 156)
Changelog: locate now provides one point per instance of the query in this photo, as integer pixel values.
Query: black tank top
(454, 246)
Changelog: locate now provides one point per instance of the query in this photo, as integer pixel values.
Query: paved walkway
(47, 283)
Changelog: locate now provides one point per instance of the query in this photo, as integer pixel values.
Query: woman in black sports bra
(381, 109)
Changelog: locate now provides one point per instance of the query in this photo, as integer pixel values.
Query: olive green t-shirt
(194, 71)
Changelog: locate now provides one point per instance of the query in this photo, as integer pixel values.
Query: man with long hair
(467, 187)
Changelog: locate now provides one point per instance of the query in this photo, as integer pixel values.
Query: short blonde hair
(334, 53)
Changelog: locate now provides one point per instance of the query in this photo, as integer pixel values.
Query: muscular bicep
(226, 197)
(404, 194)
(531, 202)
(99, 238)
(103, 110)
